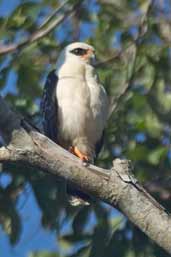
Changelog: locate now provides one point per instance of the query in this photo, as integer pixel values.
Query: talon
(76, 151)
(82, 156)
(71, 149)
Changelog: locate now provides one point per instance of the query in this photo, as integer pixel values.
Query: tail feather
(77, 197)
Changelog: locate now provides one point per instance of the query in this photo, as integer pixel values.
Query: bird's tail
(77, 198)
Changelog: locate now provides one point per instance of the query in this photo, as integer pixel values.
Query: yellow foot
(76, 151)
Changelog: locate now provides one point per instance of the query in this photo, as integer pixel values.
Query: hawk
(75, 104)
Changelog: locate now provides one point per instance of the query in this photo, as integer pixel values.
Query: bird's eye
(79, 51)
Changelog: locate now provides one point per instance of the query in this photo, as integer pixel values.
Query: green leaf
(157, 155)
(44, 254)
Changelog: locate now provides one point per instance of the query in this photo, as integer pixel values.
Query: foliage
(139, 128)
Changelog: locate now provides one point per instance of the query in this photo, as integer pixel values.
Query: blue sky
(33, 236)
(6, 7)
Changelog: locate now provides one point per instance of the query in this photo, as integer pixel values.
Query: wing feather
(99, 145)
(49, 107)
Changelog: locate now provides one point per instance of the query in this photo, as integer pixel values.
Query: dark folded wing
(49, 106)
(99, 145)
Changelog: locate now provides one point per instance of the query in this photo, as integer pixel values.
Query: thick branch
(116, 187)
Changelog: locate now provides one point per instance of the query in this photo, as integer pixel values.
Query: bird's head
(80, 51)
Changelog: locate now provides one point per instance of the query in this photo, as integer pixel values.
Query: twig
(131, 52)
(40, 33)
(156, 106)
(159, 187)
(109, 60)
(53, 14)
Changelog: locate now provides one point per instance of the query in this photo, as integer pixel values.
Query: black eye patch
(79, 51)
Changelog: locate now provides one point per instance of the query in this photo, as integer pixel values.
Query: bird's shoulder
(49, 90)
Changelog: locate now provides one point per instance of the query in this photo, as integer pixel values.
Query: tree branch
(43, 30)
(116, 187)
(129, 54)
(53, 14)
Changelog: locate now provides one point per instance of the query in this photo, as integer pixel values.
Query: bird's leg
(76, 151)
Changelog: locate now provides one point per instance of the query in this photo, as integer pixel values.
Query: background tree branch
(46, 27)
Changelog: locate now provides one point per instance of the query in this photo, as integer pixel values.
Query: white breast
(98, 100)
(73, 102)
(82, 108)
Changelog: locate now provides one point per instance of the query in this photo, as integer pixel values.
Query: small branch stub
(124, 170)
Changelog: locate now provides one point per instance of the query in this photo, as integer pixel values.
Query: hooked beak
(90, 56)
(90, 52)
